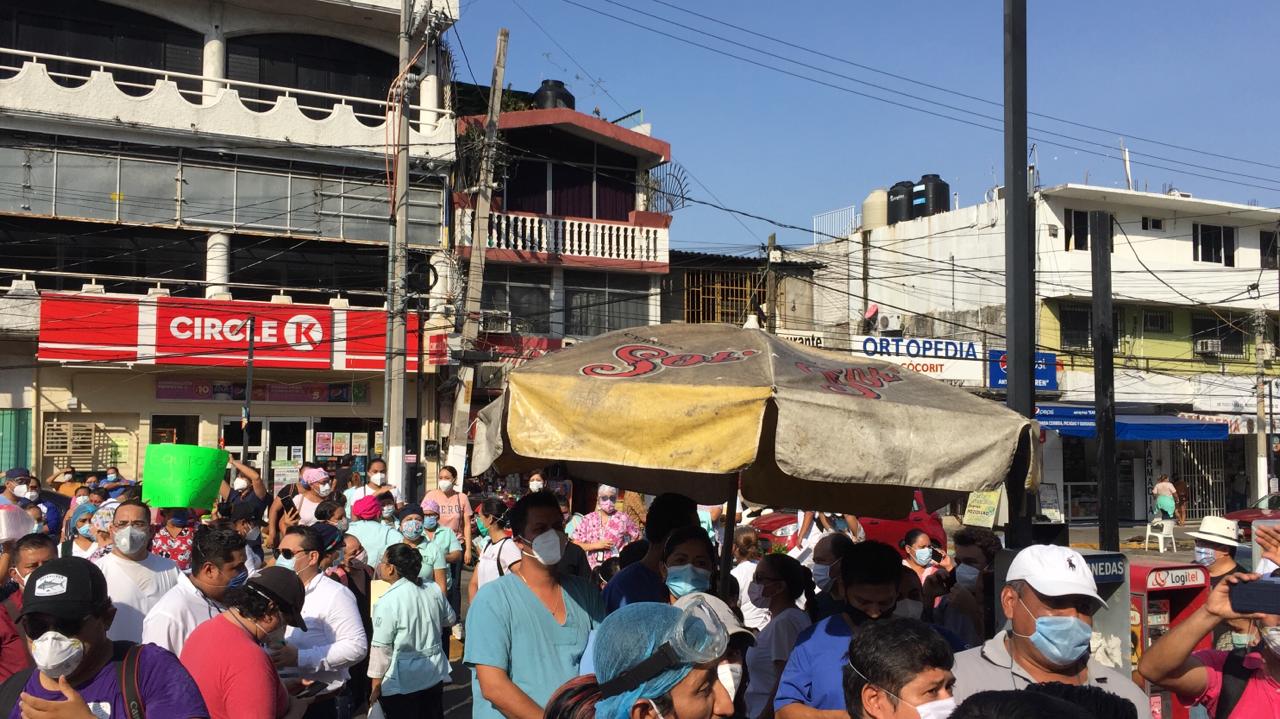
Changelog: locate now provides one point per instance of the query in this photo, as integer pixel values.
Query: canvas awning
(1078, 421)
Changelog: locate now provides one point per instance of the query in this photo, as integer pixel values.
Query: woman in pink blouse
(604, 532)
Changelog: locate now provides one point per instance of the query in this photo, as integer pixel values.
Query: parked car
(1266, 508)
(779, 526)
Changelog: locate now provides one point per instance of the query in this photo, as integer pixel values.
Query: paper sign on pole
(1049, 505)
(982, 509)
(182, 475)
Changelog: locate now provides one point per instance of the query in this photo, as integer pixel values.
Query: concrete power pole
(460, 427)
(1263, 485)
(771, 287)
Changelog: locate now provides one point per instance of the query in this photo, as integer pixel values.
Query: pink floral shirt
(618, 529)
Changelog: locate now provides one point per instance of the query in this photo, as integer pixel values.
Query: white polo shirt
(135, 588)
(335, 637)
(177, 614)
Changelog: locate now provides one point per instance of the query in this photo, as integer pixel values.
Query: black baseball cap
(66, 588)
(330, 536)
(246, 510)
(283, 588)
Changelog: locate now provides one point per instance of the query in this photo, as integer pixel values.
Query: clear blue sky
(1177, 71)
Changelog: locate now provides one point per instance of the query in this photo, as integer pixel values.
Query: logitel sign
(209, 332)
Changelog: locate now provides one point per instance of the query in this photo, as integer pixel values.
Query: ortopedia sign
(1176, 578)
(208, 332)
(958, 362)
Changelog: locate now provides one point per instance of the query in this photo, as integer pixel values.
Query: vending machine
(1162, 594)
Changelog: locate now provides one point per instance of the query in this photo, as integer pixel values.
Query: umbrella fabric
(687, 408)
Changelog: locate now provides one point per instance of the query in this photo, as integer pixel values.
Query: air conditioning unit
(890, 323)
(1208, 347)
(1266, 351)
(491, 375)
(496, 322)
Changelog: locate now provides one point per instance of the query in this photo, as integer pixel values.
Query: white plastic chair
(1161, 529)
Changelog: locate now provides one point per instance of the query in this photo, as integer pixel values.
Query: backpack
(126, 654)
(1235, 677)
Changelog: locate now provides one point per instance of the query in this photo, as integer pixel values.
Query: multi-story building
(170, 172)
(1194, 281)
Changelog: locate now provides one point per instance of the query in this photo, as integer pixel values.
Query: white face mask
(68, 477)
(445, 485)
(20, 491)
(378, 478)
(240, 484)
(535, 486)
(324, 490)
(730, 676)
(547, 548)
(56, 655)
(130, 540)
(939, 709)
(81, 499)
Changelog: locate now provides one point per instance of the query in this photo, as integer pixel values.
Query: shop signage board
(191, 389)
(362, 342)
(957, 362)
(216, 333)
(88, 328)
(1046, 378)
(1174, 578)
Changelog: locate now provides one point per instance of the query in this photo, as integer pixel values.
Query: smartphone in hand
(1261, 596)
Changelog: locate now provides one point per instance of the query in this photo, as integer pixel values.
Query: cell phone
(1262, 596)
(311, 690)
(937, 555)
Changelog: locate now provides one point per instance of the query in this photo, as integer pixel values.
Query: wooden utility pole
(771, 286)
(460, 427)
(1104, 386)
(1260, 336)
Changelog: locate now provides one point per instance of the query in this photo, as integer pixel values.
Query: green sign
(182, 475)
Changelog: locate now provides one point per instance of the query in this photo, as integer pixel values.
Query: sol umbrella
(698, 409)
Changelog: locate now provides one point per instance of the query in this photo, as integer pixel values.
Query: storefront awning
(1078, 421)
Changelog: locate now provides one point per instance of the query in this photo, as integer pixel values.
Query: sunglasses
(37, 625)
(290, 553)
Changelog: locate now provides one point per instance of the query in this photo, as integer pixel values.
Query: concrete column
(429, 91)
(557, 302)
(217, 264)
(655, 299)
(215, 54)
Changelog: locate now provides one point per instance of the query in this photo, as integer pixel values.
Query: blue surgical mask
(1241, 640)
(1204, 556)
(923, 556)
(687, 579)
(411, 529)
(111, 477)
(240, 579)
(431, 522)
(1062, 640)
(85, 531)
(286, 563)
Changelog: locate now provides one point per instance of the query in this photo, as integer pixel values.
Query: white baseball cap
(1054, 571)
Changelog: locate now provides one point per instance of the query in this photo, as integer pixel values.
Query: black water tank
(552, 95)
(900, 201)
(937, 194)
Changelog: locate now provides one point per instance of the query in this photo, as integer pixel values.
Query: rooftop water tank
(937, 194)
(900, 201)
(875, 209)
(551, 95)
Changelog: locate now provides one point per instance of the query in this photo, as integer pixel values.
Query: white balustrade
(568, 236)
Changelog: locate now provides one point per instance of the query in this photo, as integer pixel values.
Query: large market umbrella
(694, 408)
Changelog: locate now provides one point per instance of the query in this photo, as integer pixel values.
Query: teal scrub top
(432, 559)
(508, 628)
(374, 537)
(410, 619)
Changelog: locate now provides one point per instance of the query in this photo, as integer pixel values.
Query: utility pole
(1104, 386)
(397, 257)
(459, 428)
(1019, 255)
(1260, 336)
(245, 414)
(771, 287)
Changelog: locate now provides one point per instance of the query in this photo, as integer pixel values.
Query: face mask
(342, 525)
(412, 529)
(1241, 640)
(22, 580)
(1204, 556)
(81, 499)
(687, 579)
(180, 519)
(85, 531)
(56, 655)
(655, 709)
(923, 556)
(535, 486)
(445, 485)
(324, 490)
(755, 595)
(909, 608)
(606, 505)
(240, 485)
(967, 576)
(1062, 640)
(288, 563)
(68, 477)
(730, 676)
(482, 528)
(239, 580)
(388, 510)
(822, 577)
(546, 548)
(360, 557)
(253, 534)
(20, 491)
(111, 477)
(378, 478)
(431, 523)
(130, 540)
(858, 617)
(939, 709)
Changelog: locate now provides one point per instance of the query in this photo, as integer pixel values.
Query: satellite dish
(667, 187)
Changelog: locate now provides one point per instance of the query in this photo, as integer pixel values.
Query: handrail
(167, 74)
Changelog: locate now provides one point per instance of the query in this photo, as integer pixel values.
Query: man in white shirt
(136, 578)
(335, 638)
(217, 563)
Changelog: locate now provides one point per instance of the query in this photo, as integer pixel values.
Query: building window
(598, 302)
(1213, 243)
(1157, 321)
(1227, 328)
(309, 62)
(516, 299)
(1074, 321)
(1076, 223)
(1267, 244)
(1152, 223)
(175, 429)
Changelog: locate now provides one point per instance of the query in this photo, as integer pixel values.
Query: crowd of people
(335, 596)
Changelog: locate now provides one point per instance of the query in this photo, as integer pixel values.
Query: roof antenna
(1128, 174)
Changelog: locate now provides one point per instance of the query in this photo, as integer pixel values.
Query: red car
(777, 527)
(1266, 508)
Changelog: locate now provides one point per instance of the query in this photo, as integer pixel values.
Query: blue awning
(1078, 421)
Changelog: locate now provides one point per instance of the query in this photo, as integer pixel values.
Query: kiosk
(1163, 594)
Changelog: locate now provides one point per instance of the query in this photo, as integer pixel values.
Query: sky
(779, 146)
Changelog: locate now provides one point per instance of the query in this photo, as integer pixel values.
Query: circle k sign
(210, 332)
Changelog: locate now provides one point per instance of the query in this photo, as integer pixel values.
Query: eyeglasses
(136, 524)
(37, 625)
(291, 553)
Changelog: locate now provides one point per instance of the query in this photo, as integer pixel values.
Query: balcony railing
(568, 236)
(73, 87)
